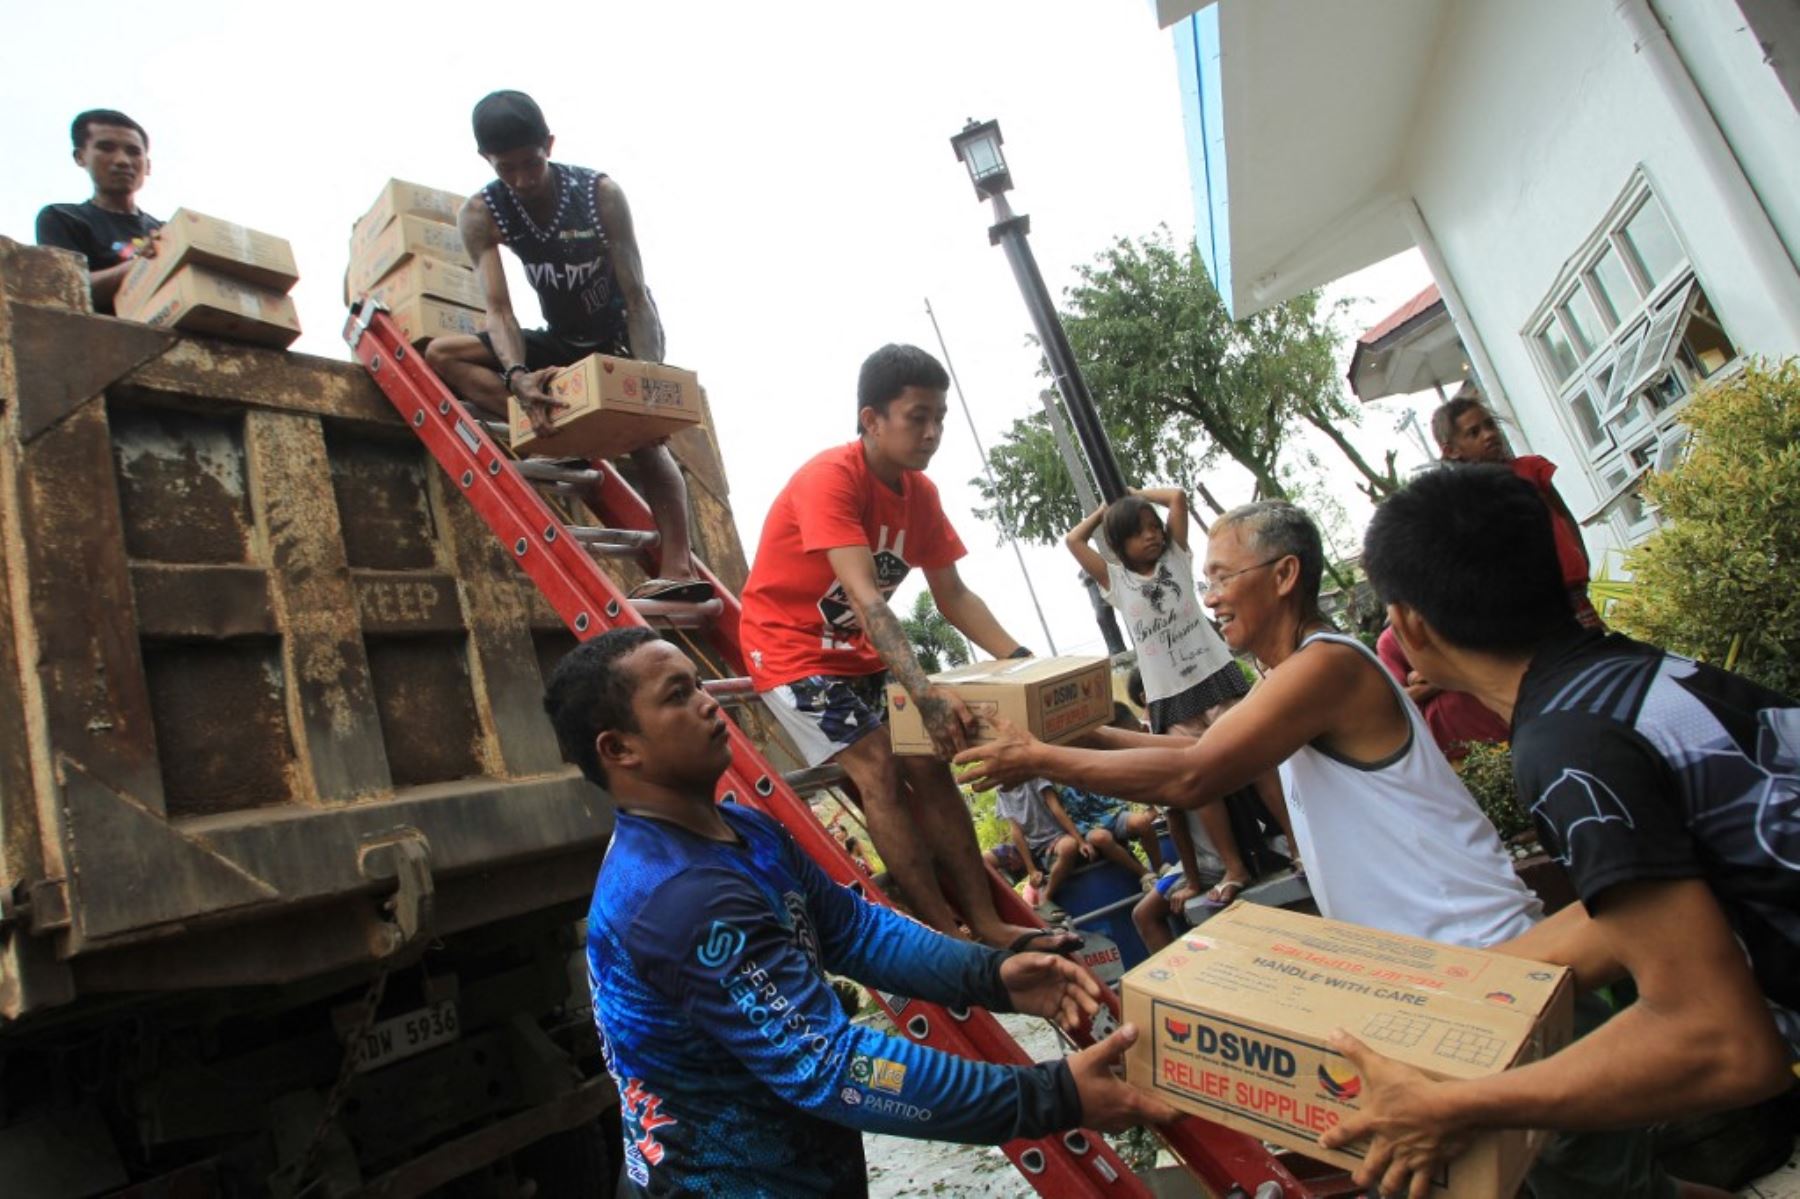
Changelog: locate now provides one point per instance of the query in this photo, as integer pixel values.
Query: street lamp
(978, 148)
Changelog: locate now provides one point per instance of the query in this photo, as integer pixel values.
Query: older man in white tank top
(1390, 836)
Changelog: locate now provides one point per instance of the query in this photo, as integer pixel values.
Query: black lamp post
(978, 148)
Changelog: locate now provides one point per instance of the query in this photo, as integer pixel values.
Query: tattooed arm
(643, 325)
(946, 717)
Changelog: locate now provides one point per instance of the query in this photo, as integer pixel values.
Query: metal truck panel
(246, 631)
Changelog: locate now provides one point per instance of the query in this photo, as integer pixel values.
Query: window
(1623, 339)
(1618, 291)
(1651, 242)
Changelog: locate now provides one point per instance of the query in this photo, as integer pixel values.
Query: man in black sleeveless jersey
(109, 230)
(571, 229)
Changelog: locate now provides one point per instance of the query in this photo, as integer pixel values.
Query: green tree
(935, 640)
(1178, 384)
(1721, 580)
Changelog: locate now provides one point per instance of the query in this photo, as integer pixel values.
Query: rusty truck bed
(248, 637)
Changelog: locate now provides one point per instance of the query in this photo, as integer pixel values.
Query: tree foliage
(1178, 385)
(935, 641)
(1725, 569)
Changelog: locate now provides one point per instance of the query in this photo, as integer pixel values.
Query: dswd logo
(1338, 1082)
(723, 942)
(1178, 1032)
(1238, 1049)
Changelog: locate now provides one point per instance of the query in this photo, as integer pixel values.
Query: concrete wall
(1727, 61)
(1537, 114)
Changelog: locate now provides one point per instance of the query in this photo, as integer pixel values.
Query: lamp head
(978, 148)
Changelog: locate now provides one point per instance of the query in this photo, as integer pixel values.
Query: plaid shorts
(827, 714)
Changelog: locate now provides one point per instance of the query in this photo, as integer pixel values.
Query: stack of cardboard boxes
(213, 277)
(406, 252)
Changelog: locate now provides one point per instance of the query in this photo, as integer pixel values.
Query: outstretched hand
(1044, 984)
(1003, 762)
(1108, 1102)
(1408, 1133)
(947, 719)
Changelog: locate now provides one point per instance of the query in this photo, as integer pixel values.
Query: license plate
(403, 1036)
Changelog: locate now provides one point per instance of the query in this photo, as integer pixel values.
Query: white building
(1607, 193)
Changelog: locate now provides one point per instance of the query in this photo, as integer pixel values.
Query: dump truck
(291, 869)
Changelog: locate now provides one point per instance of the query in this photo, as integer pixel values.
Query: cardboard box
(422, 318)
(400, 198)
(197, 299)
(1056, 699)
(191, 238)
(1234, 1019)
(615, 405)
(402, 239)
(433, 277)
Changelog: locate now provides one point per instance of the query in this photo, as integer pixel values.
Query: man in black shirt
(109, 230)
(571, 229)
(1669, 789)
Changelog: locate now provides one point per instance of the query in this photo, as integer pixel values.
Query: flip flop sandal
(1224, 894)
(674, 591)
(1022, 943)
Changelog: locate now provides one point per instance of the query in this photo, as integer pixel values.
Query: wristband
(506, 376)
(1021, 652)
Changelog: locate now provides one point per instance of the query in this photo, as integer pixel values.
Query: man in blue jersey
(708, 944)
(571, 228)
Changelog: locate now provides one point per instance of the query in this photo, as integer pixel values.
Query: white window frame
(1639, 347)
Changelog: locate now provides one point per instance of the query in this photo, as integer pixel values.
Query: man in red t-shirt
(1467, 432)
(1454, 718)
(821, 639)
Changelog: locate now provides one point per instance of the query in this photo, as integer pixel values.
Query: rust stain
(181, 486)
(221, 725)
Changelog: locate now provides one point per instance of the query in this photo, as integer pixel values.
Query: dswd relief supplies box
(199, 300)
(1234, 1019)
(422, 318)
(1055, 699)
(615, 405)
(430, 277)
(191, 238)
(400, 198)
(403, 238)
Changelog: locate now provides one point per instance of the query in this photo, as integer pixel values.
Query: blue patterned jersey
(738, 1072)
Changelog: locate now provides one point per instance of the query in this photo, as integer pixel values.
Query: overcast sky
(788, 167)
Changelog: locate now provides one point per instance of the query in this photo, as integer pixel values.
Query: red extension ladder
(561, 559)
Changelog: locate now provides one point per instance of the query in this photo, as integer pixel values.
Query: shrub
(1487, 773)
(1725, 569)
(990, 827)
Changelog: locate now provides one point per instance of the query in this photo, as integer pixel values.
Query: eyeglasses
(1216, 583)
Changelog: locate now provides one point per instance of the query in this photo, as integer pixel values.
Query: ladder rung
(498, 429)
(722, 689)
(814, 779)
(678, 615)
(613, 543)
(553, 472)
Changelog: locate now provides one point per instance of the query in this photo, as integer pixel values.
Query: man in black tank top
(571, 229)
